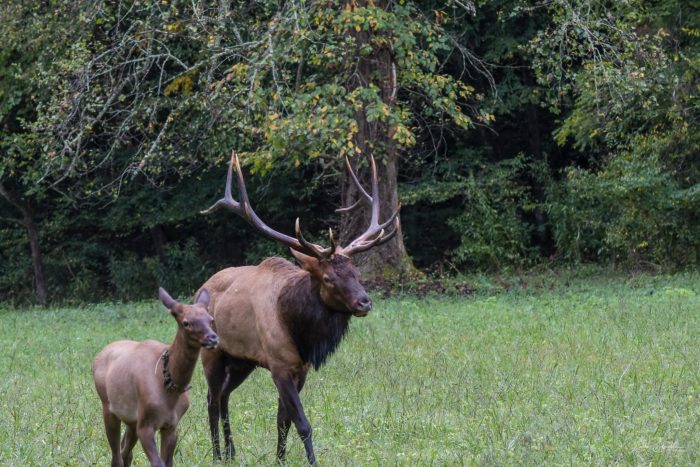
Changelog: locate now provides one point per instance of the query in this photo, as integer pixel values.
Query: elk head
(332, 267)
(194, 320)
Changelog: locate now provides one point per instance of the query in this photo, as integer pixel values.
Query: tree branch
(14, 201)
(13, 220)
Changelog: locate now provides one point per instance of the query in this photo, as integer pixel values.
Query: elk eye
(327, 280)
(185, 324)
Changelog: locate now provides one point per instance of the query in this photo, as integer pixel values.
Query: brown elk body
(282, 317)
(144, 384)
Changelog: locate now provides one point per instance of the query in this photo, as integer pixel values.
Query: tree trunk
(159, 241)
(375, 138)
(27, 221)
(37, 261)
(533, 123)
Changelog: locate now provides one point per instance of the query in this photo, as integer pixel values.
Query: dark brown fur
(283, 318)
(315, 328)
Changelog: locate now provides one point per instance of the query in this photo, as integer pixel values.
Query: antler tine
(391, 234)
(378, 240)
(374, 235)
(352, 207)
(245, 210)
(391, 218)
(364, 197)
(374, 226)
(375, 194)
(227, 201)
(360, 188)
(334, 242)
(242, 191)
(318, 251)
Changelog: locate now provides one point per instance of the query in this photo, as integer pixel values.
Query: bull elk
(144, 384)
(281, 317)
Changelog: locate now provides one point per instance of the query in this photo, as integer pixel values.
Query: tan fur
(128, 377)
(283, 318)
(272, 314)
(248, 322)
(129, 380)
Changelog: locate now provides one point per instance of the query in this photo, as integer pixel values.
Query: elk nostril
(365, 302)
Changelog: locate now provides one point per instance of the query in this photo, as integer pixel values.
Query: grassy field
(592, 372)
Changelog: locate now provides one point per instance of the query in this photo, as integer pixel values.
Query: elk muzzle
(362, 306)
(210, 341)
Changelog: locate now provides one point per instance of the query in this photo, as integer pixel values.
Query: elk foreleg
(283, 424)
(147, 436)
(283, 419)
(287, 387)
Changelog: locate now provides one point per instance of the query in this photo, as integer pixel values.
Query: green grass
(597, 372)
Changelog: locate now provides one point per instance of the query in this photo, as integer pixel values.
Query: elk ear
(307, 263)
(166, 299)
(202, 298)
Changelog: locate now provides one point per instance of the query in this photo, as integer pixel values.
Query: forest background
(514, 133)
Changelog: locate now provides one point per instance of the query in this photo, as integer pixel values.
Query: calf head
(193, 320)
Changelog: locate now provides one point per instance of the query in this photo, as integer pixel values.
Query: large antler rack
(244, 209)
(375, 234)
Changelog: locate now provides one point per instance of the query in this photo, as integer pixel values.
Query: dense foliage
(524, 132)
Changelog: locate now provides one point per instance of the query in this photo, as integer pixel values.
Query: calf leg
(128, 443)
(113, 428)
(168, 440)
(287, 387)
(283, 419)
(147, 436)
(236, 372)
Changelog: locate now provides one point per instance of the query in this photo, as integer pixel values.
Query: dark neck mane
(316, 329)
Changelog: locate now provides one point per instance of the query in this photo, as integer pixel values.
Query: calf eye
(185, 324)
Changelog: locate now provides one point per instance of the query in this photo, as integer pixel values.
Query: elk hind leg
(236, 372)
(214, 363)
(113, 428)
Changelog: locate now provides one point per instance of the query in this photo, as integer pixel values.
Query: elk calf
(144, 384)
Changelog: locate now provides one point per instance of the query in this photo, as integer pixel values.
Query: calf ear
(166, 299)
(307, 263)
(202, 297)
